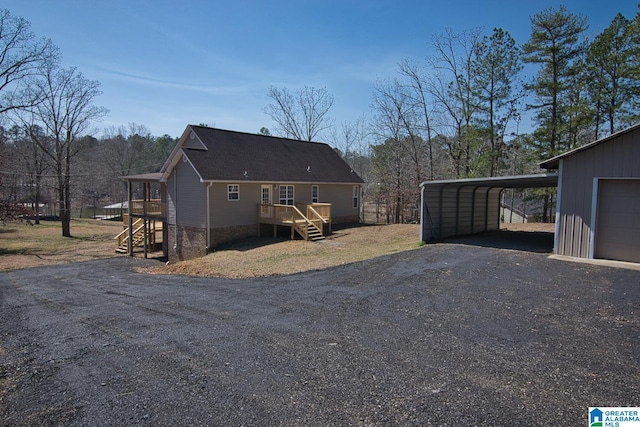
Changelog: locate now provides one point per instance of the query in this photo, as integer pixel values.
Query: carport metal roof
(465, 206)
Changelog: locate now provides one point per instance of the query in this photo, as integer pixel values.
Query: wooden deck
(307, 220)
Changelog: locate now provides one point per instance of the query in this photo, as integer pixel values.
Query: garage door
(618, 220)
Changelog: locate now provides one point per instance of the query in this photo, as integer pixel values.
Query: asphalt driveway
(448, 334)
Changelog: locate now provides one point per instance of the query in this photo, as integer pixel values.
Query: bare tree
(302, 115)
(351, 139)
(453, 90)
(21, 56)
(65, 112)
(127, 151)
(399, 162)
(418, 92)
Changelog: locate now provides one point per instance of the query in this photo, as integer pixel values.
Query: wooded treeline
(462, 111)
(480, 104)
(29, 179)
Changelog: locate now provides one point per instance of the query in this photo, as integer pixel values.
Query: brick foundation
(186, 243)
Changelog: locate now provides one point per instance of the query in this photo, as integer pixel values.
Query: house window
(286, 194)
(356, 196)
(315, 194)
(233, 192)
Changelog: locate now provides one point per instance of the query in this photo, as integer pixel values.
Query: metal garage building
(598, 213)
(598, 201)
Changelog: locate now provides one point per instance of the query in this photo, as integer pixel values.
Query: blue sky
(166, 64)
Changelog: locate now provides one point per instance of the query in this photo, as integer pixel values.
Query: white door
(617, 233)
(266, 208)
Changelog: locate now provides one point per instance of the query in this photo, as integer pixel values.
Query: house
(219, 185)
(597, 209)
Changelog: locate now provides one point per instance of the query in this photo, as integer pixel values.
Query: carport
(461, 207)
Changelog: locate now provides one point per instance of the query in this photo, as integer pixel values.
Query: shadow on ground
(528, 241)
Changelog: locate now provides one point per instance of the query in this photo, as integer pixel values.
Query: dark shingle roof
(237, 156)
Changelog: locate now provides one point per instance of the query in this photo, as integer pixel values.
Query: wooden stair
(137, 238)
(307, 229)
(314, 234)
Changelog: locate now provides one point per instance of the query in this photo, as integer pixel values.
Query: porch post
(145, 194)
(129, 220)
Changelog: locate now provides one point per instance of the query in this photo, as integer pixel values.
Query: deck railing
(317, 215)
(150, 208)
(276, 212)
(321, 209)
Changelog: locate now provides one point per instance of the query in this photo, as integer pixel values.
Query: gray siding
(617, 158)
(186, 197)
(225, 213)
(339, 195)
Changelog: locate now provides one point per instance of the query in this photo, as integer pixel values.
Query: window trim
(315, 199)
(230, 192)
(356, 197)
(286, 198)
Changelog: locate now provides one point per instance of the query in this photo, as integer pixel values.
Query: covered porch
(145, 217)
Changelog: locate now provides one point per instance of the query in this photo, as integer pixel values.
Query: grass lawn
(23, 245)
(267, 256)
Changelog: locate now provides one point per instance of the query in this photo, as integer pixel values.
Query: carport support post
(473, 208)
(441, 211)
(458, 210)
(486, 210)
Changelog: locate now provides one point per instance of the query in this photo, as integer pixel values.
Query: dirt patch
(529, 226)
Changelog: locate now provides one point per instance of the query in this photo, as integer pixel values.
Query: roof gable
(223, 155)
(193, 142)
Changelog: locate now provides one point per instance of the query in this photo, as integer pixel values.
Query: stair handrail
(125, 232)
(304, 231)
(316, 213)
(135, 232)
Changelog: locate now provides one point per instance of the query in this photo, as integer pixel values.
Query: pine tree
(555, 45)
(611, 77)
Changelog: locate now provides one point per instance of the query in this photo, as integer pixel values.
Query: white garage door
(618, 221)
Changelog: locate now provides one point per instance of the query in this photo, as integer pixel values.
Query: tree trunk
(65, 210)
(37, 198)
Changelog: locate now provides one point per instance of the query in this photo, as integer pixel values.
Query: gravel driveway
(445, 335)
